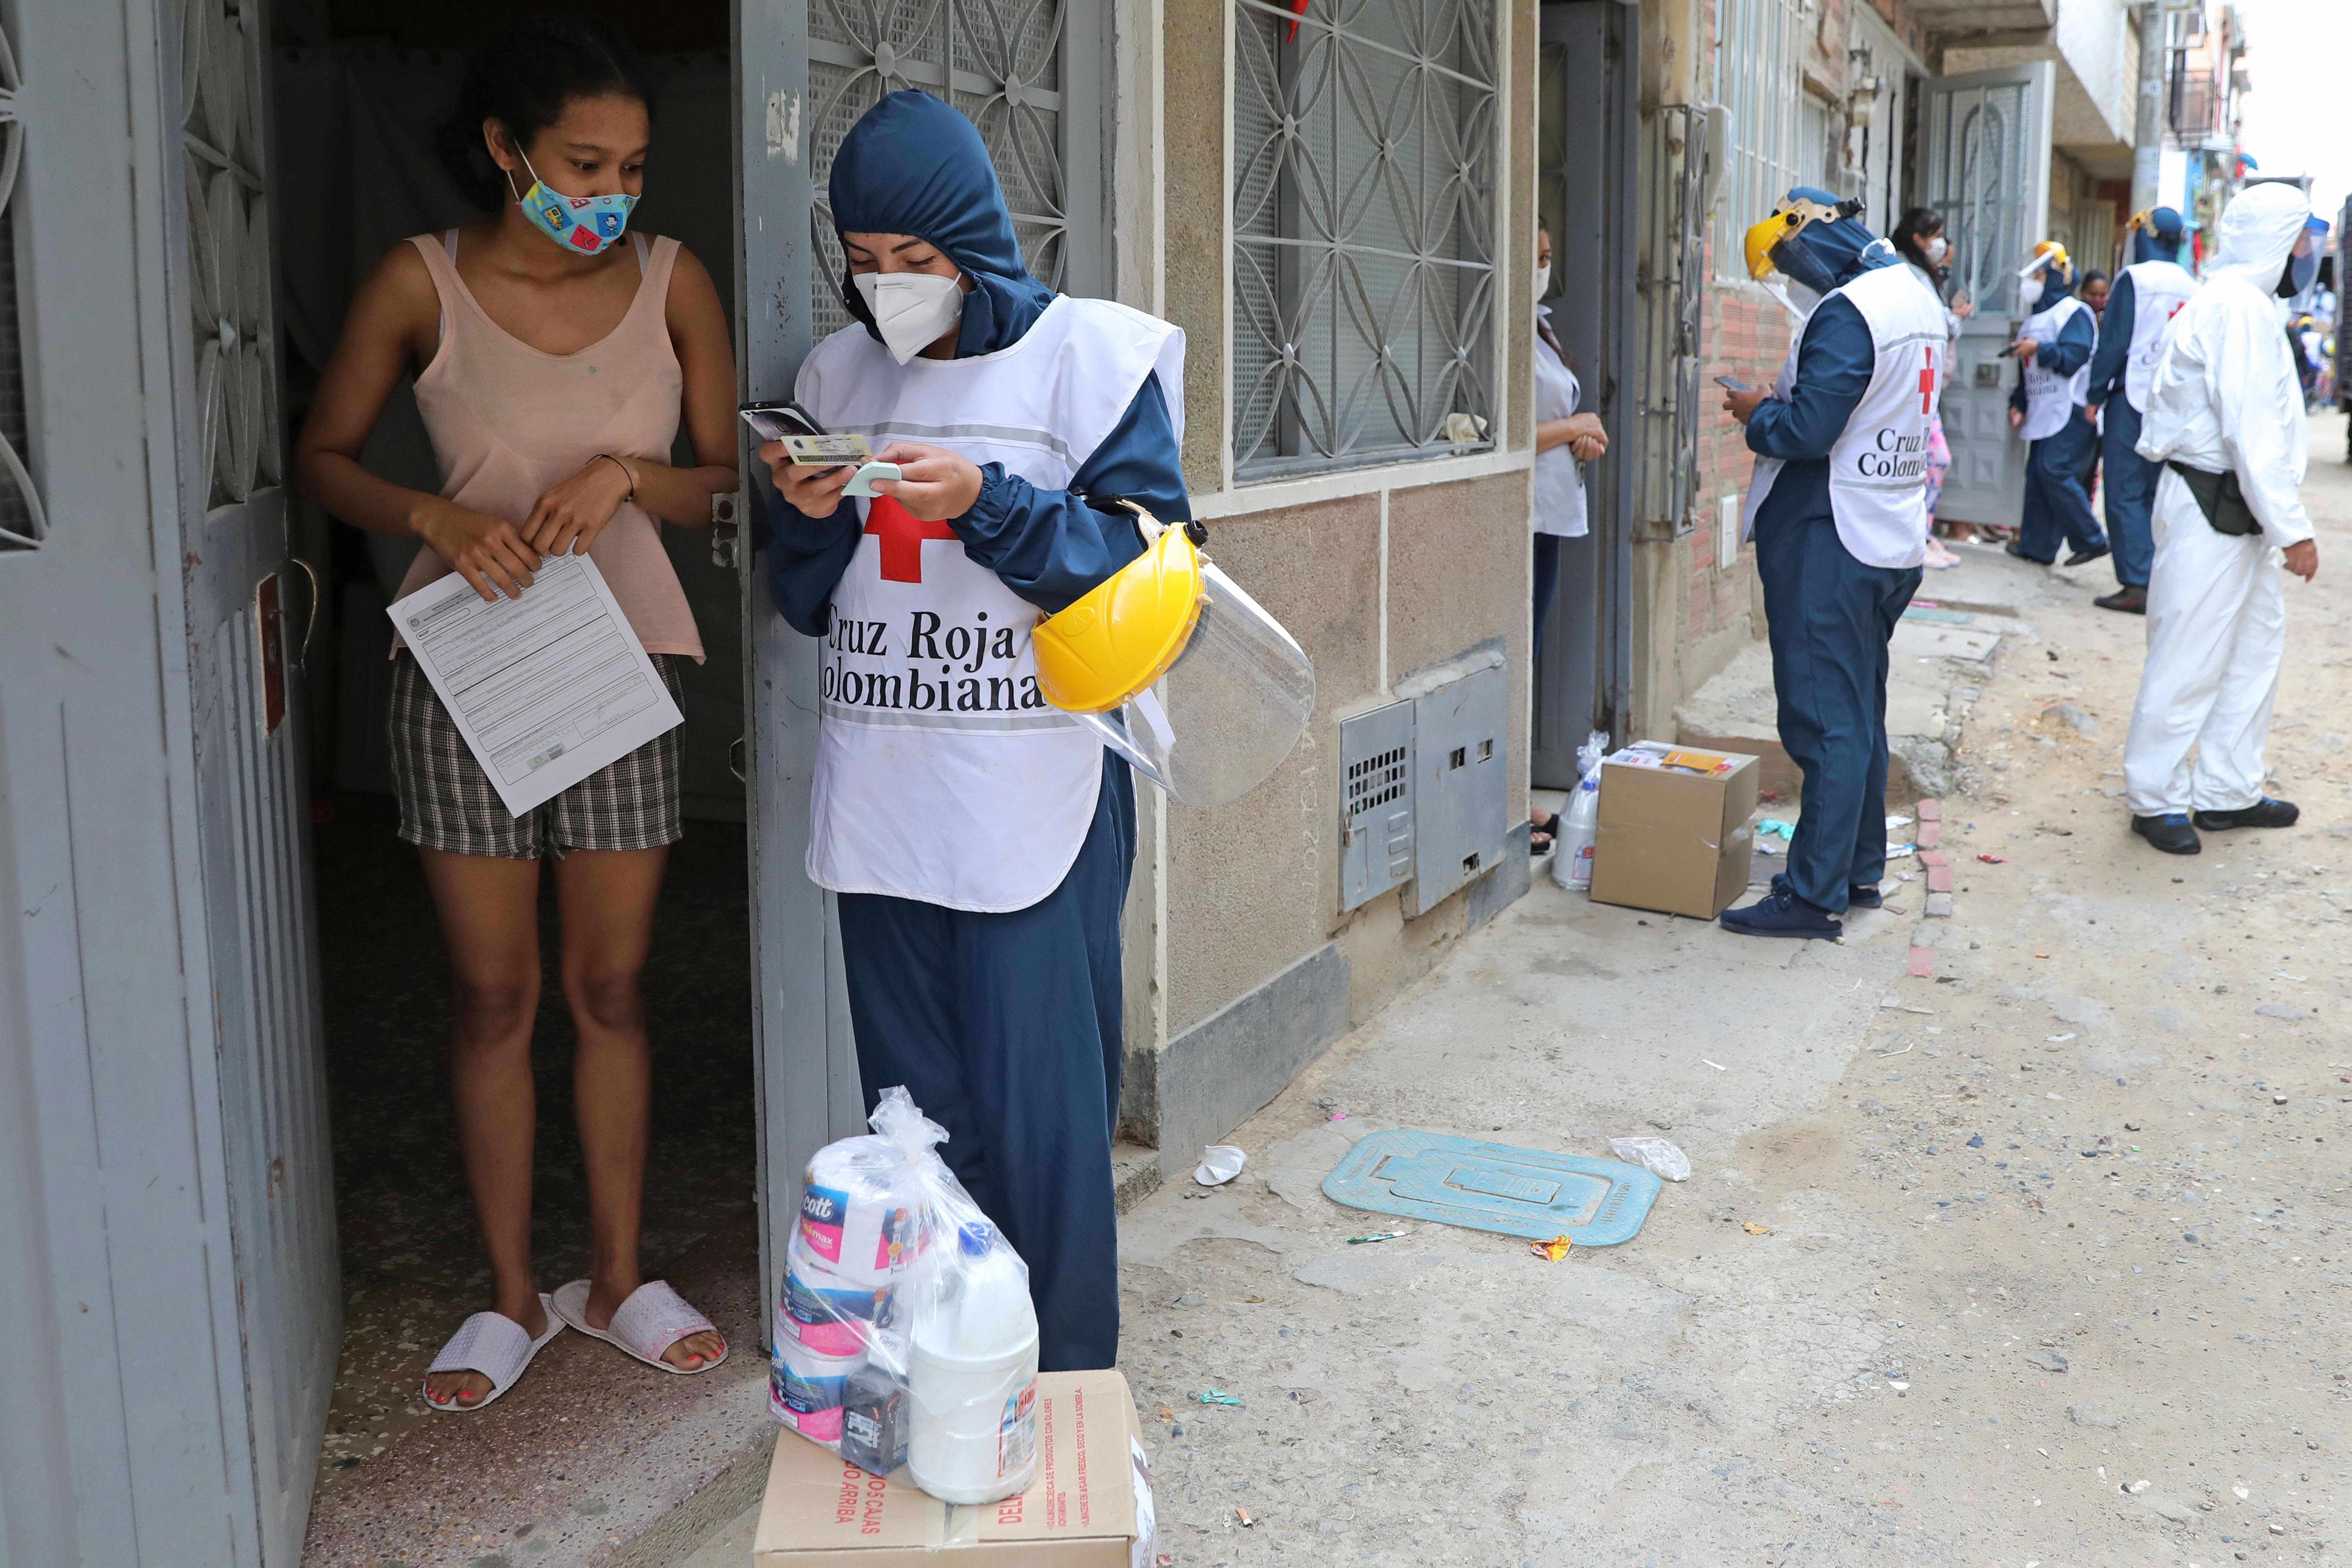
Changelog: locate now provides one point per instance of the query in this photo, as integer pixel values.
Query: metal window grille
(1978, 179)
(1758, 76)
(1364, 227)
(222, 79)
(23, 525)
(999, 61)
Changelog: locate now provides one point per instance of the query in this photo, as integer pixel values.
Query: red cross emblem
(902, 538)
(1927, 386)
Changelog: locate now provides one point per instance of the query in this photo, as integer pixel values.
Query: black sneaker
(2131, 600)
(1781, 913)
(1858, 895)
(2264, 813)
(2085, 555)
(2169, 833)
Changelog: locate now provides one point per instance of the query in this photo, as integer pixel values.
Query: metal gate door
(1586, 145)
(244, 668)
(1984, 155)
(1035, 79)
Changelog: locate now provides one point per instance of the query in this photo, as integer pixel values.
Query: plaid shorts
(446, 801)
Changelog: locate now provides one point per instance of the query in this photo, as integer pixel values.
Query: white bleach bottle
(971, 1375)
(1579, 824)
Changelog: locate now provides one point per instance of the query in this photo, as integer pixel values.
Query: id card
(826, 451)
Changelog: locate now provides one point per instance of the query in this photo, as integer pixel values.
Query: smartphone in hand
(1732, 383)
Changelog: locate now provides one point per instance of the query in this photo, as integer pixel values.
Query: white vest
(2158, 291)
(1878, 465)
(943, 775)
(2051, 399)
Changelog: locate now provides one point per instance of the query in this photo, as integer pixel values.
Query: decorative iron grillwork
(1977, 179)
(999, 61)
(23, 523)
(1364, 228)
(222, 66)
(1673, 165)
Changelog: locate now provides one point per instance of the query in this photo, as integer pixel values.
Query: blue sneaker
(1782, 913)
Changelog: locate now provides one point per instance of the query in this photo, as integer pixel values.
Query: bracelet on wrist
(632, 478)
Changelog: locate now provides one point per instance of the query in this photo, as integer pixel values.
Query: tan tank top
(509, 422)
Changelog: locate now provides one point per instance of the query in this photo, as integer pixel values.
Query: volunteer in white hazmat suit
(2225, 416)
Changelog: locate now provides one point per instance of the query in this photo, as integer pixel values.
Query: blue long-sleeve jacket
(1048, 546)
(2114, 354)
(1834, 361)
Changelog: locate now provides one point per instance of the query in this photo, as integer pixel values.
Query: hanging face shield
(2302, 269)
(1178, 671)
(2156, 234)
(1810, 245)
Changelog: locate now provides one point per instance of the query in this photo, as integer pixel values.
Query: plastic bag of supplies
(905, 1334)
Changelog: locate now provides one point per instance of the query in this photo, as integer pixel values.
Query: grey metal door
(244, 651)
(246, 659)
(1588, 74)
(1984, 164)
(1036, 79)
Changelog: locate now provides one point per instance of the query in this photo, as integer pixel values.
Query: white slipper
(653, 1319)
(496, 1346)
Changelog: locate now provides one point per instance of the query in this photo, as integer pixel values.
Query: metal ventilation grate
(1375, 803)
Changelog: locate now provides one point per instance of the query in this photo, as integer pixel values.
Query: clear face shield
(1180, 671)
(2302, 266)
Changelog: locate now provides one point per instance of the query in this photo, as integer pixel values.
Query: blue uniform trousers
(1007, 1030)
(2055, 499)
(2131, 496)
(1831, 617)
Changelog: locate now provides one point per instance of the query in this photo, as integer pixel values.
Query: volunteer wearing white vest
(2224, 416)
(979, 839)
(2054, 350)
(1839, 512)
(2139, 308)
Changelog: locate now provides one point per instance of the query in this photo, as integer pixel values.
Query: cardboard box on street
(1674, 833)
(1089, 1501)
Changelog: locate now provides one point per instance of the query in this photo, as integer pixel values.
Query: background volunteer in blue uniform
(1839, 513)
(2053, 353)
(1006, 1024)
(2131, 331)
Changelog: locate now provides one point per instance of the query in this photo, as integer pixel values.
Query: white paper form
(546, 689)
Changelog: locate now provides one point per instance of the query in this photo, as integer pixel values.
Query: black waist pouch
(2220, 499)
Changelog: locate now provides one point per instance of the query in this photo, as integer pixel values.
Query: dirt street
(2039, 1259)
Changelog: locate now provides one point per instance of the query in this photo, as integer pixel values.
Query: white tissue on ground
(1220, 1164)
(1654, 1154)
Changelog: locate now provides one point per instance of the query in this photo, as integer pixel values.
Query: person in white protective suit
(2225, 417)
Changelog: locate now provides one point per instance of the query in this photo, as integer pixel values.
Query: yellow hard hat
(1788, 219)
(1125, 632)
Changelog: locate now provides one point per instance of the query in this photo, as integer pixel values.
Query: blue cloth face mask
(586, 225)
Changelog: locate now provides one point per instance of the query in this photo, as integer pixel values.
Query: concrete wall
(1241, 968)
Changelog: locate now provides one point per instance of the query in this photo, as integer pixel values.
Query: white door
(1984, 164)
(246, 606)
(1035, 79)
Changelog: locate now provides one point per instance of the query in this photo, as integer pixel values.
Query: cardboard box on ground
(1089, 1505)
(1673, 833)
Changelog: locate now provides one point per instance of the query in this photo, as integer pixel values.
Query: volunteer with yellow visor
(979, 837)
(2051, 408)
(1838, 510)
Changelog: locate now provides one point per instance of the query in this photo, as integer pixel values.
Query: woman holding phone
(555, 354)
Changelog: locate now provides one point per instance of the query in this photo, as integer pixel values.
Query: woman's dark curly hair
(523, 77)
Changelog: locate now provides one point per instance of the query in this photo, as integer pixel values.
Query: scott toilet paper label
(858, 1238)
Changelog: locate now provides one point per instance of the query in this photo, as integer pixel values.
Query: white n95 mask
(912, 311)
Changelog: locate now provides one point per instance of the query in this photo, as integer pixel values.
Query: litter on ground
(1752, 1228)
(1220, 1164)
(1219, 1396)
(1654, 1154)
(1551, 1251)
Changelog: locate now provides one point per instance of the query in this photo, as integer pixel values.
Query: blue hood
(1823, 256)
(2161, 240)
(912, 164)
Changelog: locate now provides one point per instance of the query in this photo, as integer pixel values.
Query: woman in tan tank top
(553, 353)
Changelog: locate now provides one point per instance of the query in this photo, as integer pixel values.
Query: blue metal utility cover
(1533, 1192)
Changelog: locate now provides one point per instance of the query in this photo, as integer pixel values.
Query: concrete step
(1135, 1173)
